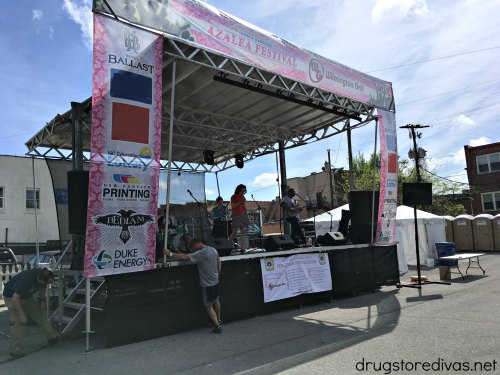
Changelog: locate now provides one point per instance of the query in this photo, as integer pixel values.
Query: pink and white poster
(125, 149)
(386, 225)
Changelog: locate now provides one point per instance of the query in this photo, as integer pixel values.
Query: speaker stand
(419, 283)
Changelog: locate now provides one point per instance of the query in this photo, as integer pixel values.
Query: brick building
(483, 171)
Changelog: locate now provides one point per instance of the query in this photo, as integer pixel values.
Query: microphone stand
(331, 220)
(260, 229)
(314, 217)
(199, 214)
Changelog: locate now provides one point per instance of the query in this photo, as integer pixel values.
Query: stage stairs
(71, 300)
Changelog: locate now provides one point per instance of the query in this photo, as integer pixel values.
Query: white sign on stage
(285, 277)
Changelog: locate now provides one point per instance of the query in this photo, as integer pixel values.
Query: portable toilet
(496, 231)
(448, 228)
(482, 226)
(463, 233)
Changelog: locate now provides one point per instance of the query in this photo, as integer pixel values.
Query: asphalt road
(451, 327)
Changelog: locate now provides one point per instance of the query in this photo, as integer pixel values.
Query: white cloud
(82, 15)
(264, 180)
(51, 32)
(209, 193)
(37, 14)
(402, 8)
(463, 120)
(479, 141)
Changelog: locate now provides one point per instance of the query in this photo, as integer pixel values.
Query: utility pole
(416, 152)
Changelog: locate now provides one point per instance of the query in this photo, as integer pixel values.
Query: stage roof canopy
(238, 90)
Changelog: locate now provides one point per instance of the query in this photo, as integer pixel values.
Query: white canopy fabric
(431, 229)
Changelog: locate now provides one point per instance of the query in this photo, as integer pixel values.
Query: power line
(437, 58)
(447, 92)
(447, 179)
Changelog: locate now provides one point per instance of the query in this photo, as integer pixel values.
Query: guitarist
(292, 210)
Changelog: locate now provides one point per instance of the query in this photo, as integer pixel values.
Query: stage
(167, 300)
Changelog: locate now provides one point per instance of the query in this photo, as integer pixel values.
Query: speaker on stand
(78, 190)
(361, 204)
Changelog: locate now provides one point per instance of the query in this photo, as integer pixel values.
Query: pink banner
(201, 24)
(125, 149)
(386, 225)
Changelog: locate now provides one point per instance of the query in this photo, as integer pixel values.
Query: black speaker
(78, 190)
(222, 245)
(417, 193)
(332, 239)
(361, 203)
(278, 242)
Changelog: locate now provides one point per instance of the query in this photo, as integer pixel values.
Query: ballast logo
(124, 219)
(316, 71)
(126, 178)
(102, 260)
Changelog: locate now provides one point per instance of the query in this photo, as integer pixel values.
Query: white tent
(431, 229)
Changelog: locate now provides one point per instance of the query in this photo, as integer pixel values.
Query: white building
(19, 192)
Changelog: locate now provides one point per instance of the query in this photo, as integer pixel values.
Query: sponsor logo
(271, 286)
(124, 219)
(145, 153)
(385, 236)
(126, 178)
(269, 264)
(102, 260)
(131, 41)
(392, 183)
(111, 192)
(316, 71)
(322, 259)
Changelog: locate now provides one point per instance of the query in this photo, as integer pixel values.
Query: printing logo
(124, 219)
(316, 71)
(102, 260)
(131, 41)
(126, 178)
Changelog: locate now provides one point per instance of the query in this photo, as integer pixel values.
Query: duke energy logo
(102, 260)
(126, 179)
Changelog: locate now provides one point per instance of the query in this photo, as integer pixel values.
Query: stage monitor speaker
(78, 187)
(222, 245)
(332, 239)
(417, 193)
(278, 242)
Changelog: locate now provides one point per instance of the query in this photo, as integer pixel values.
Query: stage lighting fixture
(238, 161)
(208, 157)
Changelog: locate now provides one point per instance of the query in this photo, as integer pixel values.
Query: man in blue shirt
(21, 303)
(209, 266)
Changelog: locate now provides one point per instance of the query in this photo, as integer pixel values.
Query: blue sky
(47, 61)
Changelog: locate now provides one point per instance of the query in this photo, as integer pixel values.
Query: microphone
(189, 191)
(252, 196)
(328, 213)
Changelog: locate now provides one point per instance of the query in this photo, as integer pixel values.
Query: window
(1, 197)
(488, 163)
(491, 201)
(31, 197)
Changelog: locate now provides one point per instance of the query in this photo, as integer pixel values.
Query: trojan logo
(124, 219)
(131, 41)
(102, 260)
(316, 71)
(126, 178)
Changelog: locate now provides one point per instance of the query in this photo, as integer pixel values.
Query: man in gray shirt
(209, 266)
